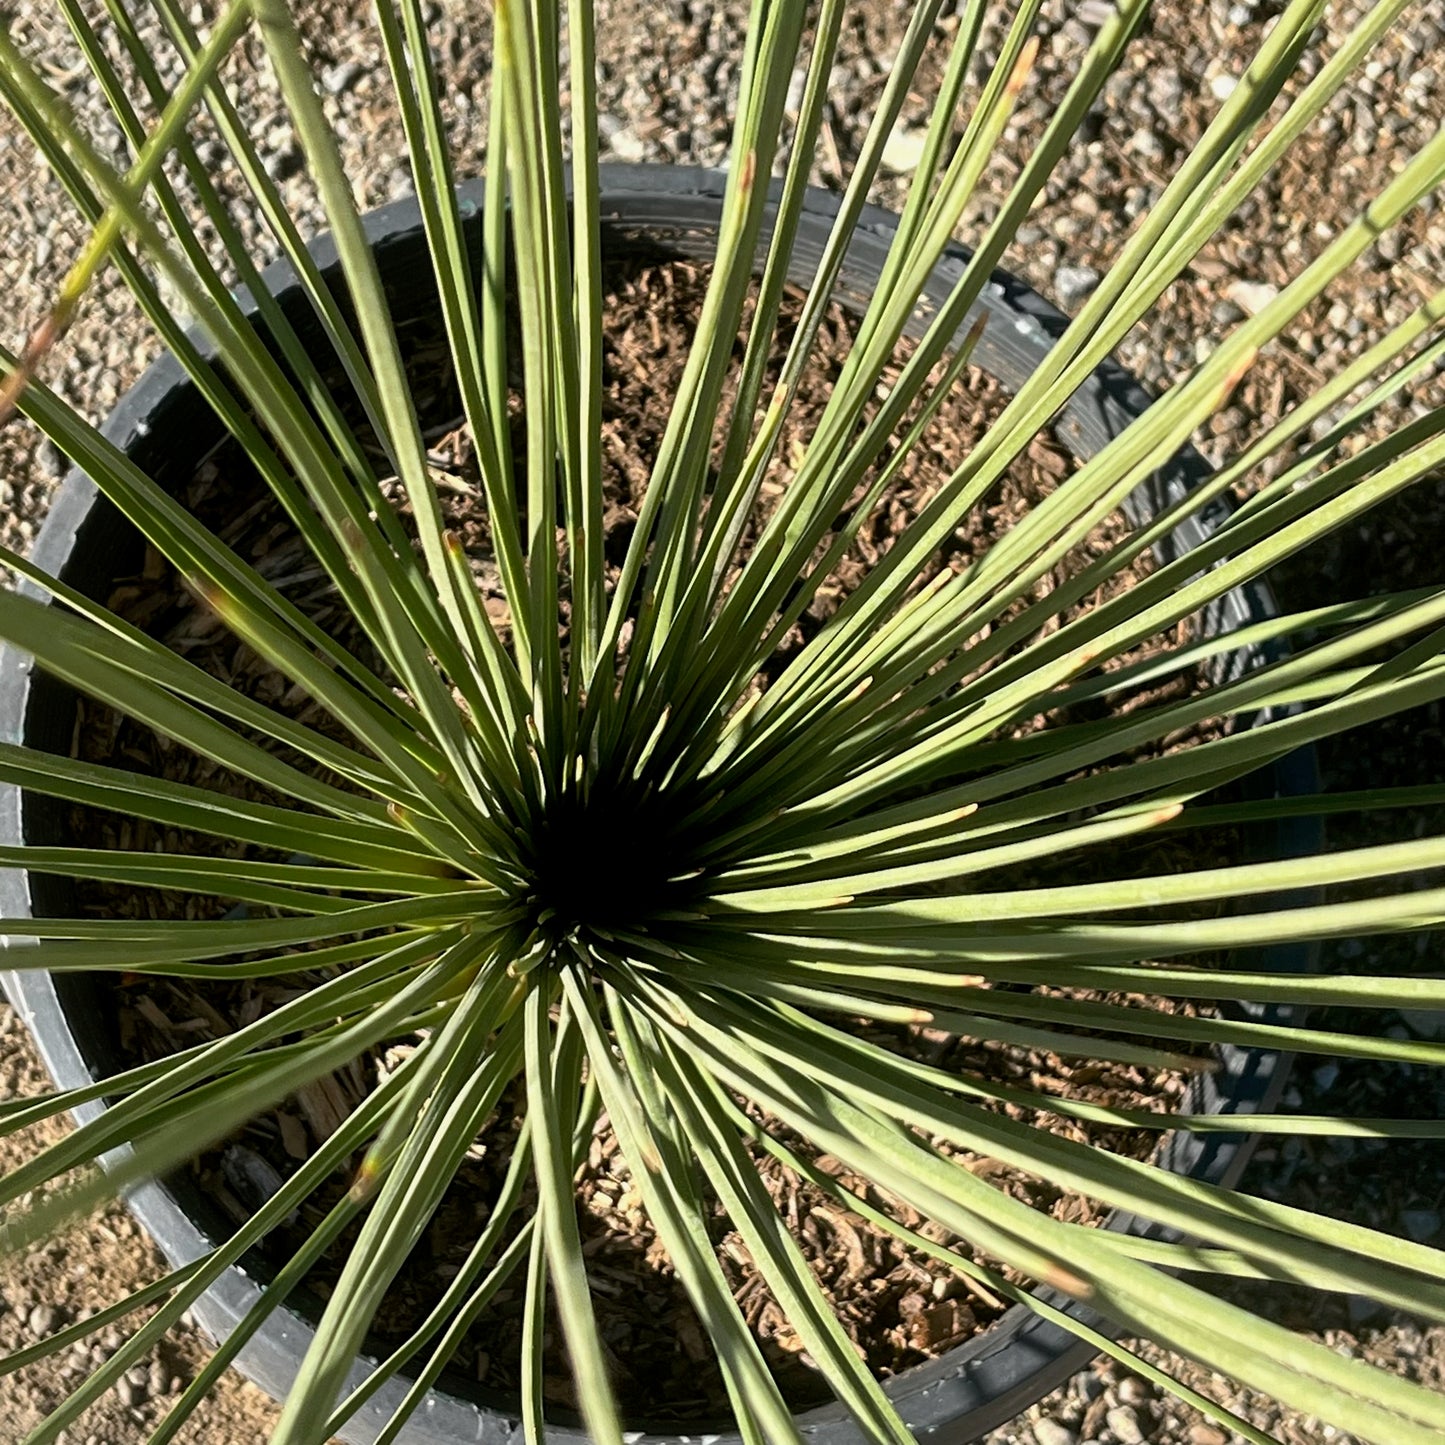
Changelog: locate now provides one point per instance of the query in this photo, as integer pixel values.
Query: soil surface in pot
(899, 1305)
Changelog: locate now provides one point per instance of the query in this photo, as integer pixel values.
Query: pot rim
(672, 211)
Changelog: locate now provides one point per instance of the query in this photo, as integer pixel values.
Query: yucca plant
(852, 834)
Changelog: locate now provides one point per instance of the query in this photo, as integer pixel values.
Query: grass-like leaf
(625, 855)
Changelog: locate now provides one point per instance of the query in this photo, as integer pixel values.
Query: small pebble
(627, 145)
(42, 1320)
(903, 149)
(129, 1393)
(1326, 1077)
(1201, 1434)
(1420, 1224)
(1050, 1432)
(1133, 1390)
(1145, 143)
(1252, 296)
(1073, 283)
(1425, 1023)
(1124, 1422)
(337, 79)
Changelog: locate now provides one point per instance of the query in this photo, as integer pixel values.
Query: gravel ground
(668, 72)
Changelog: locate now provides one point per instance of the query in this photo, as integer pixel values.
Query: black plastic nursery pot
(166, 427)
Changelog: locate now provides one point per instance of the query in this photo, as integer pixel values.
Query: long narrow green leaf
(551, 1114)
(463, 1082)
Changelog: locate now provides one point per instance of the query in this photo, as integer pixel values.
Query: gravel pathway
(668, 72)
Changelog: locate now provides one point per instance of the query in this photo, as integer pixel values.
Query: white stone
(1251, 296)
(1124, 1422)
(903, 149)
(1050, 1432)
(627, 145)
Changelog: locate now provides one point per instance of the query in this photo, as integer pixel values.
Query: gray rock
(1166, 90)
(1073, 283)
(1145, 143)
(797, 84)
(1363, 1309)
(42, 1320)
(51, 460)
(1420, 1224)
(1427, 1023)
(337, 79)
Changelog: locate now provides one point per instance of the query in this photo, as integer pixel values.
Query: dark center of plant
(606, 862)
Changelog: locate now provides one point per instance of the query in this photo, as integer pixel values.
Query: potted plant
(593, 851)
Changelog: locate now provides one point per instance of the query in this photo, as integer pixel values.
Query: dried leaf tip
(1236, 374)
(1023, 67)
(42, 339)
(747, 172)
(1066, 1282)
(367, 1177)
(352, 539)
(206, 592)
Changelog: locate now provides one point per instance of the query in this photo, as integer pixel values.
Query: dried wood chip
(293, 1135)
